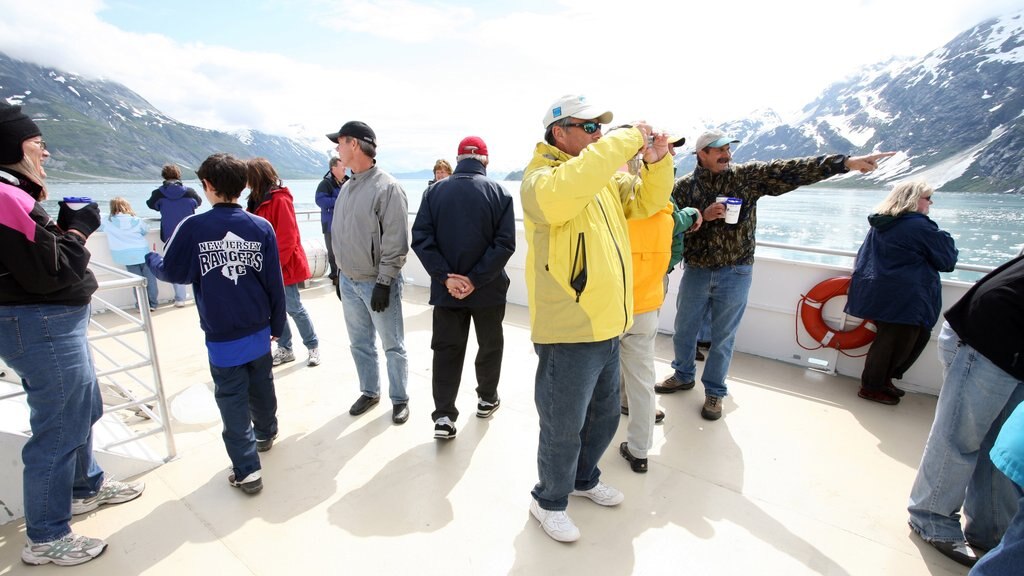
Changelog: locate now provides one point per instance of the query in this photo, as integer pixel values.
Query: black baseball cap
(355, 129)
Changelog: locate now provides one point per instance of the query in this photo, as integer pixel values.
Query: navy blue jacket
(326, 196)
(175, 202)
(896, 276)
(230, 258)
(465, 225)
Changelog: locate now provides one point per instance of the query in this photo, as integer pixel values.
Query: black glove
(85, 220)
(380, 298)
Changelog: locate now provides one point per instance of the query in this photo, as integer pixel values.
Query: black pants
(895, 349)
(451, 332)
(330, 254)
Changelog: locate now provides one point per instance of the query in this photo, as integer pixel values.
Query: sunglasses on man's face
(588, 127)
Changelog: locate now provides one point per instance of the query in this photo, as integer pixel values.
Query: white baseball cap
(575, 106)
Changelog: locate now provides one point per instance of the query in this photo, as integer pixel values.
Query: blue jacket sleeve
(325, 196)
(179, 255)
(424, 243)
(493, 261)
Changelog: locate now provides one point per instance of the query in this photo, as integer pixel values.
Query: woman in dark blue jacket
(896, 284)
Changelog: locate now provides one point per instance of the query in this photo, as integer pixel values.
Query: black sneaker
(444, 428)
(400, 413)
(265, 445)
(251, 484)
(485, 408)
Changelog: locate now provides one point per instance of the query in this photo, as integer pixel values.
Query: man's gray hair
(369, 149)
(481, 157)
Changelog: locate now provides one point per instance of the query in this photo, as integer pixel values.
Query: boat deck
(799, 477)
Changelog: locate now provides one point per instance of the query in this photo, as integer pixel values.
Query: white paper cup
(76, 203)
(732, 210)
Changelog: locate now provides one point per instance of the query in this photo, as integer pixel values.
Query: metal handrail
(849, 254)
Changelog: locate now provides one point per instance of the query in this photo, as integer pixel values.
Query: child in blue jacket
(126, 237)
(230, 258)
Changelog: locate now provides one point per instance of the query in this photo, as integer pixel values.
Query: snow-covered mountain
(954, 116)
(101, 129)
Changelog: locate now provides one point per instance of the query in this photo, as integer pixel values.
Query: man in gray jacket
(370, 239)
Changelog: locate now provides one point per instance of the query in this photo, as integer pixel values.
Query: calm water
(988, 228)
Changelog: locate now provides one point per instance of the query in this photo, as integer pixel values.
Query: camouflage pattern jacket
(718, 244)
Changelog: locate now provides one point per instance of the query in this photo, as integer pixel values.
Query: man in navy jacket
(464, 234)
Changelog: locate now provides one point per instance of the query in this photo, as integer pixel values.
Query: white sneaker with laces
(602, 494)
(282, 355)
(314, 357)
(67, 551)
(556, 523)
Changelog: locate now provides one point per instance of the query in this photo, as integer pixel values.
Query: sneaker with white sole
(556, 523)
(485, 408)
(266, 444)
(282, 355)
(67, 551)
(251, 484)
(314, 357)
(110, 492)
(444, 428)
(602, 494)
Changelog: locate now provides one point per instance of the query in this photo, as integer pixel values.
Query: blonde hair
(119, 205)
(25, 167)
(903, 198)
(443, 164)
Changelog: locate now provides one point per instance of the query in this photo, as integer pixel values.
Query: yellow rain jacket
(579, 272)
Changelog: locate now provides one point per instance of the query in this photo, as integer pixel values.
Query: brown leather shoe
(672, 384)
(879, 396)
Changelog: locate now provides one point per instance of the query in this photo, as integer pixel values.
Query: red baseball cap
(472, 145)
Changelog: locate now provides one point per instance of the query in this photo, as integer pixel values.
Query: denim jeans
(179, 292)
(451, 333)
(46, 345)
(723, 291)
(976, 398)
(152, 289)
(297, 311)
(636, 361)
(577, 396)
(248, 409)
(1008, 556)
(363, 325)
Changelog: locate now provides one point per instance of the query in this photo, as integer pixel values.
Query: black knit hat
(15, 128)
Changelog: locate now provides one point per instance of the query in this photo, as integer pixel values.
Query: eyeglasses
(588, 127)
(41, 143)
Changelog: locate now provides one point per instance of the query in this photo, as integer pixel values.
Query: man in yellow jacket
(579, 276)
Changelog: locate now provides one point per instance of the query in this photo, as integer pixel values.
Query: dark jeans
(1008, 556)
(247, 401)
(451, 332)
(330, 254)
(895, 349)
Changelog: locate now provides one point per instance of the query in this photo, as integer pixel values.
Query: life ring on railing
(811, 306)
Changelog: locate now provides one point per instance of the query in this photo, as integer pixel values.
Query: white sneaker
(282, 355)
(556, 523)
(314, 357)
(602, 494)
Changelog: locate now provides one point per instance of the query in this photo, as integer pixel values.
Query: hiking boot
(110, 492)
(672, 384)
(314, 357)
(556, 523)
(251, 484)
(602, 494)
(712, 409)
(267, 444)
(444, 428)
(67, 551)
(485, 408)
(879, 396)
(282, 355)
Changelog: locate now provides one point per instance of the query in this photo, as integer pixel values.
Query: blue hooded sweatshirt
(175, 202)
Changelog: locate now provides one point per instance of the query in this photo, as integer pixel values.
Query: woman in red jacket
(272, 201)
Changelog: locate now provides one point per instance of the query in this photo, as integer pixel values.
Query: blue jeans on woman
(363, 325)
(976, 398)
(577, 396)
(295, 309)
(723, 291)
(152, 289)
(46, 345)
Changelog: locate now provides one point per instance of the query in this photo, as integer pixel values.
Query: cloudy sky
(426, 73)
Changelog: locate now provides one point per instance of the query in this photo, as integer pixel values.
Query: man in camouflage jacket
(719, 257)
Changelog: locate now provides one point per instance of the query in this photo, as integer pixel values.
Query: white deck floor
(799, 477)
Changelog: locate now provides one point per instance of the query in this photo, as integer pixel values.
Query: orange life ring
(811, 306)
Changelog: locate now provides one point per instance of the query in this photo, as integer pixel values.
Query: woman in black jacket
(45, 291)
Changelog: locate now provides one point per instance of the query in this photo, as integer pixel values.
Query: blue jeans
(248, 408)
(179, 292)
(46, 345)
(577, 396)
(976, 398)
(363, 324)
(152, 289)
(723, 292)
(1008, 556)
(298, 313)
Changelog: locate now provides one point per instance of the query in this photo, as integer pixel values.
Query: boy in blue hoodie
(175, 202)
(230, 258)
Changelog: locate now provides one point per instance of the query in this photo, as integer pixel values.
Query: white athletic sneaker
(282, 355)
(314, 357)
(67, 551)
(602, 494)
(556, 523)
